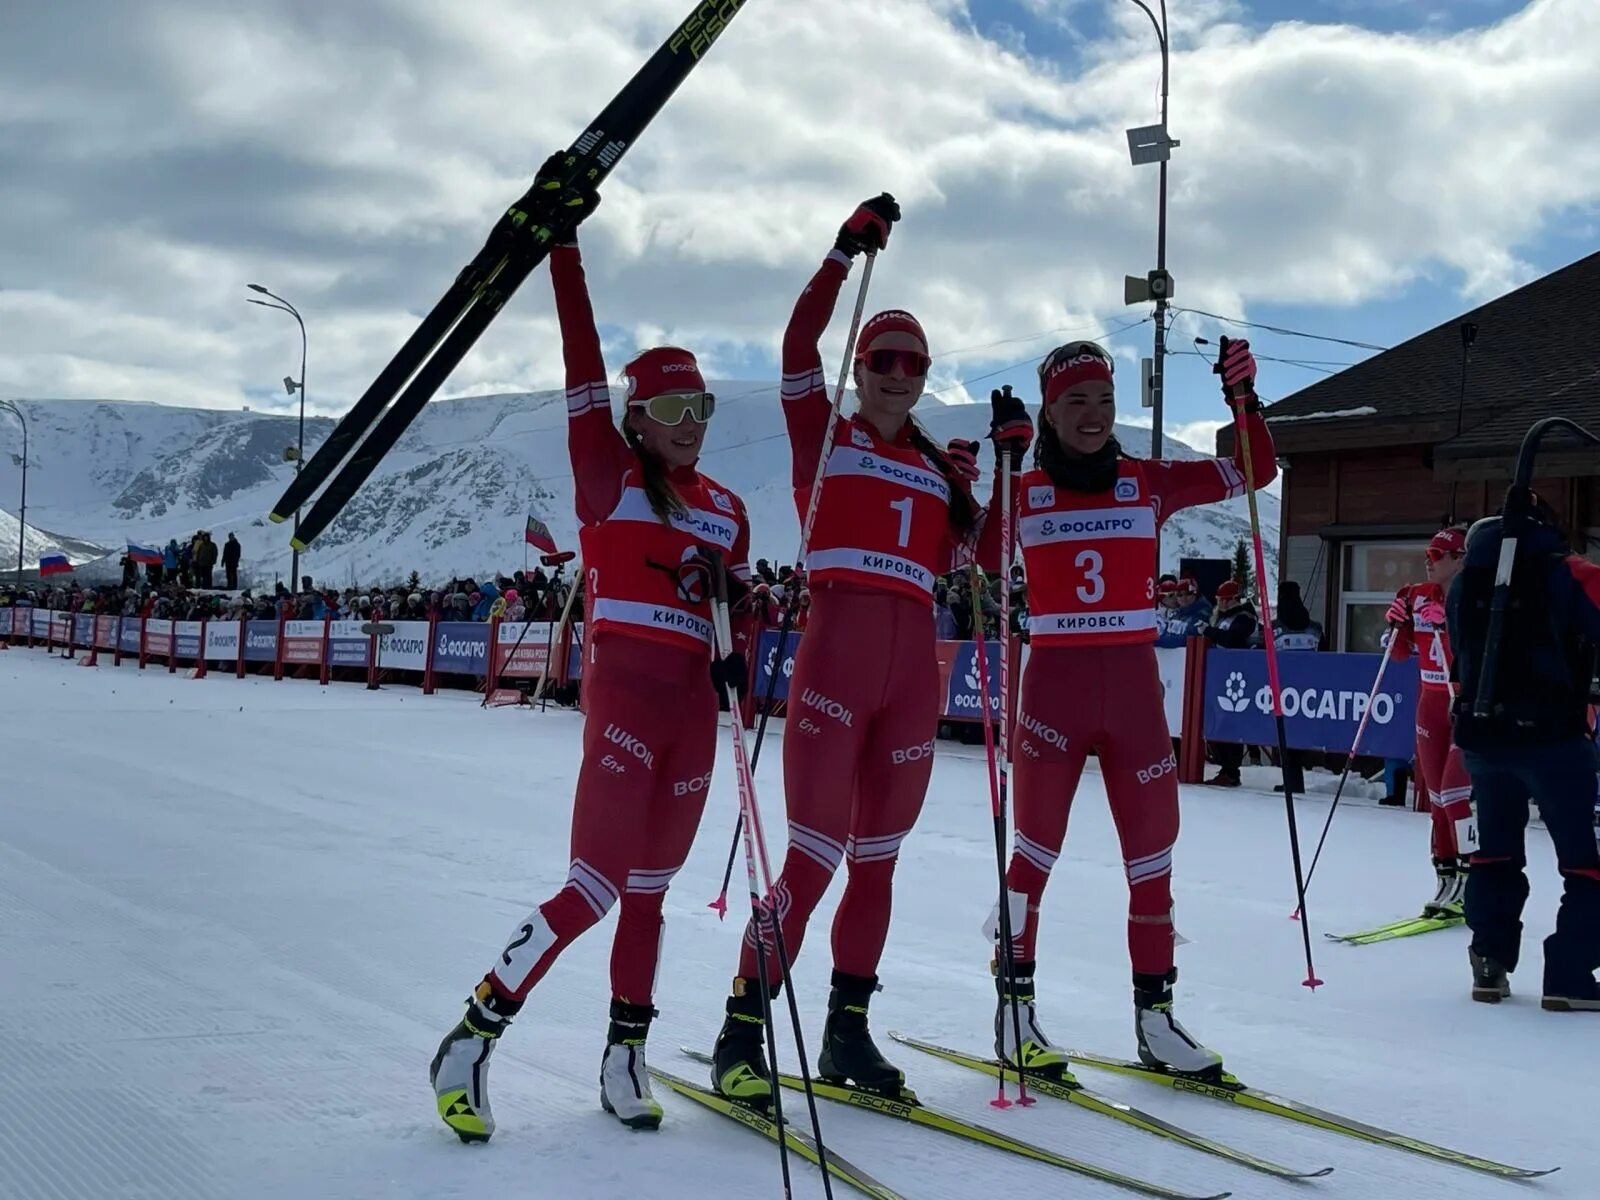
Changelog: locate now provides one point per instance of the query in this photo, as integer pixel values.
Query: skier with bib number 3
(651, 685)
(1087, 516)
(894, 513)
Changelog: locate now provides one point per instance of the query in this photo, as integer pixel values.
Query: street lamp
(290, 386)
(22, 512)
(1151, 144)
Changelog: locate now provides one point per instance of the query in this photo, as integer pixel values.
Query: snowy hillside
(36, 542)
(452, 497)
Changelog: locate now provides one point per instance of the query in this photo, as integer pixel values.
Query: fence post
(1192, 739)
(244, 632)
(200, 663)
(427, 662)
(326, 673)
(277, 664)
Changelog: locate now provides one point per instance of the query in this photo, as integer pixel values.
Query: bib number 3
(1093, 588)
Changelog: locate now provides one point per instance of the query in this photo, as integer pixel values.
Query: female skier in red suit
(1087, 521)
(894, 513)
(651, 523)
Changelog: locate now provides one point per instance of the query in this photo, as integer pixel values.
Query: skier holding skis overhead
(1087, 519)
(650, 524)
(1417, 619)
(895, 512)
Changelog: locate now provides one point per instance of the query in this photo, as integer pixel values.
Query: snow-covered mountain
(451, 499)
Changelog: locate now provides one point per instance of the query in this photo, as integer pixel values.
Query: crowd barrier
(1209, 694)
(486, 652)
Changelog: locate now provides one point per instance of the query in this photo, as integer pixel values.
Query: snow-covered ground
(236, 916)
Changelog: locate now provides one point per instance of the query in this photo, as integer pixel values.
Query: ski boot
(624, 1078)
(739, 1059)
(848, 1052)
(1489, 982)
(1038, 1056)
(1449, 900)
(459, 1072)
(1163, 1043)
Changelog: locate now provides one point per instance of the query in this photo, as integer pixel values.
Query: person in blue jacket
(1536, 742)
(1188, 619)
(487, 595)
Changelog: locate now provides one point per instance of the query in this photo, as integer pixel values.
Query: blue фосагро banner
(1324, 697)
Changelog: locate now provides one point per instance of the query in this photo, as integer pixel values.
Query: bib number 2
(1093, 588)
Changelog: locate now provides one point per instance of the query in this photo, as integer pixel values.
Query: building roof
(1534, 356)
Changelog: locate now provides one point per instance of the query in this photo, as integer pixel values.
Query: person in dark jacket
(1294, 630)
(230, 561)
(1232, 628)
(1186, 618)
(1535, 743)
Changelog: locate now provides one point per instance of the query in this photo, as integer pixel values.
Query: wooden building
(1378, 457)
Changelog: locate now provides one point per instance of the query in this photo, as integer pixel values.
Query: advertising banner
(302, 643)
(347, 645)
(1170, 663)
(105, 632)
(222, 641)
(963, 696)
(187, 636)
(261, 641)
(158, 637)
(528, 661)
(82, 629)
(1324, 697)
(5, 621)
(128, 636)
(461, 648)
(766, 662)
(406, 649)
(41, 623)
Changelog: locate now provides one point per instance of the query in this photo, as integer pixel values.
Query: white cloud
(352, 157)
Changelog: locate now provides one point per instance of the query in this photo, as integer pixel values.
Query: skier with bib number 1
(1087, 516)
(895, 512)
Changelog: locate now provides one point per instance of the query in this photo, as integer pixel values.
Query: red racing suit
(864, 700)
(649, 741)
(1091, 683)
(1440, 769)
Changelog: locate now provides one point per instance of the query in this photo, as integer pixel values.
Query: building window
(1373, 573)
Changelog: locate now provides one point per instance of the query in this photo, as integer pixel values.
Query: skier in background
(895, 512)
(1416, 621)
(653, 531)
(1088, 517)
(1537, 744)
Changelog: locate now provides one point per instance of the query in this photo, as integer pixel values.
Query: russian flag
(144, 555)
(53, 562)
(539, 536)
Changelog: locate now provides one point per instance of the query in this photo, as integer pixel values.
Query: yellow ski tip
(297, 544)
(277, 518)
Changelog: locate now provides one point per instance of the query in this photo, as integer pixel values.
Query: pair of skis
(1228, 1090)
(1410, 927)
(517, 244)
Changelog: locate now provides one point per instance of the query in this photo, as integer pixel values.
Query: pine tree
(1241, 567)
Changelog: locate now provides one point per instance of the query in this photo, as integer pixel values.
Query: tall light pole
(289, 385)
(22, 511)
(1151, 144)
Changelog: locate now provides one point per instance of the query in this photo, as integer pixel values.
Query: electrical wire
(1299, 333)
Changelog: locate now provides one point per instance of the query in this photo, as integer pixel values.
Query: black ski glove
(731, 672)
(561, 205)
(868, 227)
(1010, 426)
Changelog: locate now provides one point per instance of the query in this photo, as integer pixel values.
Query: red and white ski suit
(649, 742)
(1440, 769)
(1091, 683)
(864, 699)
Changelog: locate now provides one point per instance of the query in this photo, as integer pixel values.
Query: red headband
(1078, 368)
(662, 370)
(892, 321)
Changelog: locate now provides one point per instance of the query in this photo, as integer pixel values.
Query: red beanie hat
(1448, 541)
(1073, 363)
(661, 370)
(1227, 590)
(891, 321)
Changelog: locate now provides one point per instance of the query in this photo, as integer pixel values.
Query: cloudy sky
(1357, 168)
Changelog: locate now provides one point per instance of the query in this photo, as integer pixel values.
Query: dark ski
(519, 242)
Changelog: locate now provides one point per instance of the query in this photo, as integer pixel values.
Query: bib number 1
(903, 507)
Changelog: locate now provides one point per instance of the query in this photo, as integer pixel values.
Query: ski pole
(791, 600)
(1237, 402)
(1366, 715)
(755, 851)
